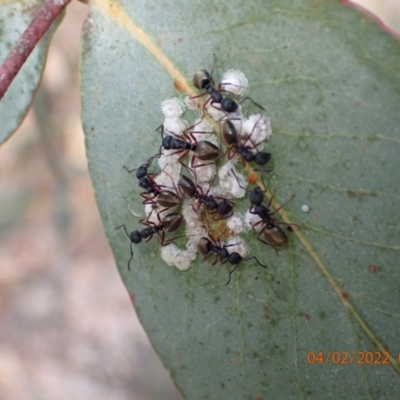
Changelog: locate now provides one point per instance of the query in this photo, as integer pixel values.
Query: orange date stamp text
(347, 357)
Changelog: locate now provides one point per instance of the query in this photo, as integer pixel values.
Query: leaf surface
(15, 17)
(329, 80)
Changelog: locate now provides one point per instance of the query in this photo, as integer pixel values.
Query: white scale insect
(235, 83)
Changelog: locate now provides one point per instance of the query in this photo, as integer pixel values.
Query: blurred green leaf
(330, 81)
(15, 17)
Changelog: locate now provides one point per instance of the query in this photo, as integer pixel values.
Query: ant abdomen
(202, 79)
(172, 222)
(275, 236)
(228, 132)
(168, 199)
(187, 187)
(206, 150)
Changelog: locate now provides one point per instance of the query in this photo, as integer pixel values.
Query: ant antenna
(123, 226)
(127, 234)
(237, 179)
(236, 266)
(258, 262)
(162, 130)
(249, 98)
(230, 273)
(283, 205)
(134, 169)
(214, 62)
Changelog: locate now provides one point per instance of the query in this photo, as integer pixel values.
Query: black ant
(189, 189)
(203, 80)
(170, 223)
(208, 247)
(231, 138)
(165, 198)
(273, 233)
(202, 149)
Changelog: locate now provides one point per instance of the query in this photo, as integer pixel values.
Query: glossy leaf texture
(328, 77)
(15, 17)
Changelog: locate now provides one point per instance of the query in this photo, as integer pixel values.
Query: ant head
(166, 142)
(141, 172)
(135, 237)
(262, 157)
(257, 196)
(229, 105)
(234, 258)
(202, 79)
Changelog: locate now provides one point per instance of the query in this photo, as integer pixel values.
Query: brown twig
(27, 42)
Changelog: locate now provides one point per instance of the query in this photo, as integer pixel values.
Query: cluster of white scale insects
(258, 126)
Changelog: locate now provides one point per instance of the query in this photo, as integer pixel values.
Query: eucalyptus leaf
(15, 16)
(328, 77)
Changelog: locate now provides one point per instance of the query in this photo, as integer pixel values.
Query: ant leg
(198, 165)
(268, 244)
(221, 90)
(167, 242)
(198, 96)
(149, 238)
(185, 153)
(218, 258)
(148, 200)
(223, 216)
(192, 126)
(205, 105)
(257, 223)
(147, 222)
(252, 131)
(206, 257)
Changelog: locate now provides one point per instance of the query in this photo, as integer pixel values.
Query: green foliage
(329, 79)
(15, 16)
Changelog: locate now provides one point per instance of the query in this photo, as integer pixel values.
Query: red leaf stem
(27, 42)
